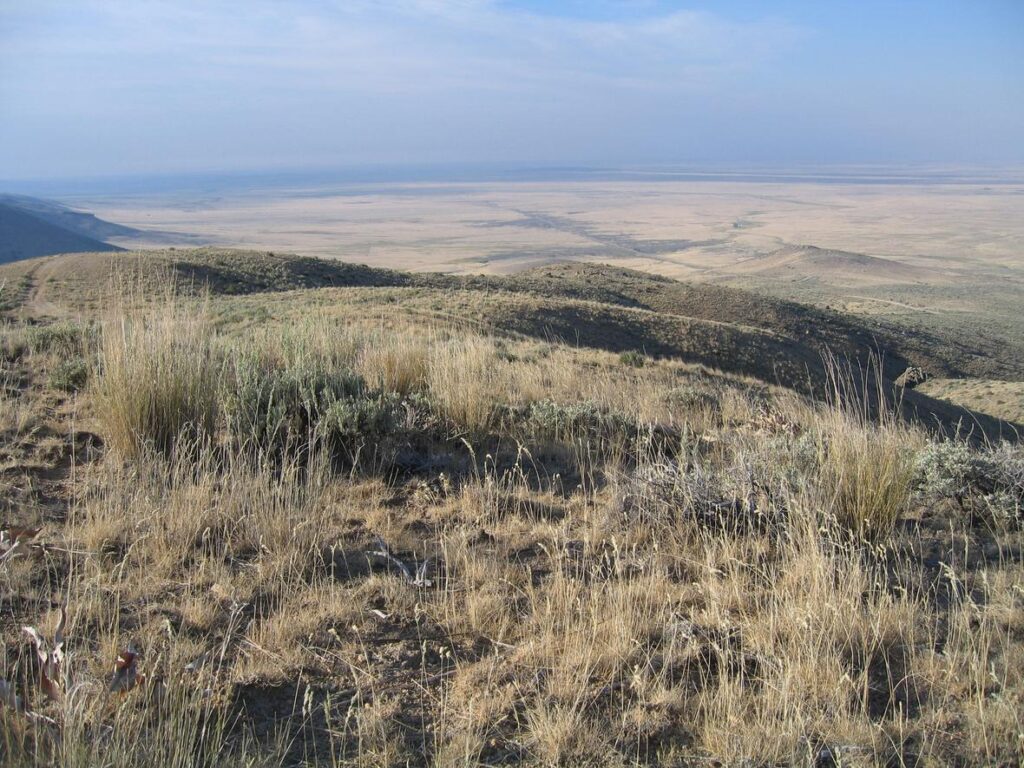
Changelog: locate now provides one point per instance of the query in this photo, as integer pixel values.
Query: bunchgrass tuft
(157, 379)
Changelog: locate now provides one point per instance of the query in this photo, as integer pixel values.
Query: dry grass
(761, 585)
(1004, 399)
(865, 453)
(396, 362)
(464, 378)
(867, 473)
(156, 380)
(18, 413)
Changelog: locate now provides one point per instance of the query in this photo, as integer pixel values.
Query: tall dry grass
(156, 379)
(395, 362)
(866, 474)
(866, 452)
(464, 378)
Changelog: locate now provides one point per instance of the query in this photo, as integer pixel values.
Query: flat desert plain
(945, 254)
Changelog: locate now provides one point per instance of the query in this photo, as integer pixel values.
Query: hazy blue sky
(123, 86)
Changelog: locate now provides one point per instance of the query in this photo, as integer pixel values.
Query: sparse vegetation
(339, 539)
(70, 375)
(989, 479)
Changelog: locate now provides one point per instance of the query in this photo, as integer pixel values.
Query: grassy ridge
(603, 307)
(80, 279)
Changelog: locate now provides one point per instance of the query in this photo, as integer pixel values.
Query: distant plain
(934, 233)
(927, 253)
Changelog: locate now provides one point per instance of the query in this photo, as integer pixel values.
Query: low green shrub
(65, 339)
(352, 424)
(546, 420)
(70, 374)
(944, 469)
(62, 339)
(633, 359)
(690, 398)
(274, 409)
(990, 478)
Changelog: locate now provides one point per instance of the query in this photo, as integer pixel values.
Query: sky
(108, 87)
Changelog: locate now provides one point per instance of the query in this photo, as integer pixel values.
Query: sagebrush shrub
(633, 359)
(65, 339)
(690, 398)
(991, 477)
(944, 469)
(69, 375)
(548, 420)
(274, 408)
(351, 424)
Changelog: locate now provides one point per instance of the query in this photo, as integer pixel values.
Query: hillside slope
(741, 332)
(25, 236)
(341, 526)
(79, 222)
(85, 277)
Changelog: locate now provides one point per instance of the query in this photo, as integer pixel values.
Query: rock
(911, 377)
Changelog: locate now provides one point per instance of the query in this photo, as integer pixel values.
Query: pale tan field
(691, 229)
(946, 254)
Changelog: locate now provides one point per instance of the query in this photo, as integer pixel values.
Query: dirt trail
(35, 305)
(37, 467)
(894, 304)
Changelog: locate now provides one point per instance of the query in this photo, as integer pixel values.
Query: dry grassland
(342, 540)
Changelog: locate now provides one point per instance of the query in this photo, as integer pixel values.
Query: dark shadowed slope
(89, 225)
(78, 222)
(24, 236)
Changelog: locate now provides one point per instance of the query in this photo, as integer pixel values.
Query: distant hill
(83, 280)
(79, 222)
(829, 265)
(24, 235)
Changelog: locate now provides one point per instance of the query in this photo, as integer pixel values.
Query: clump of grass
(395, 363)
(865, 453)
(157, 379)
(20, 415)
(463, 382)
(867, 473)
